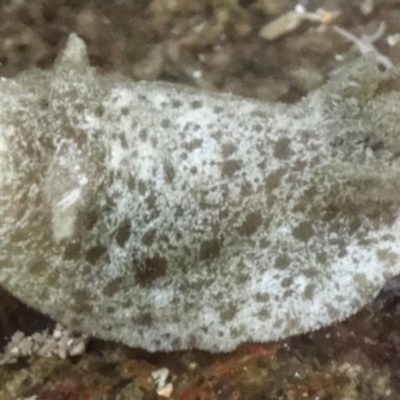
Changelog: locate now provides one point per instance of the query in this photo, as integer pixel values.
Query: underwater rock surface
(168, 218)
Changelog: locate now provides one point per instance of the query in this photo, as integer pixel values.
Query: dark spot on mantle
(282, 261)
(228, 313)
(88, 220)
(193, 144)
(143, 134)
(72, 250)
(144, 319)
(151, 200)
(94, 254)
(230, 167)
(304, 231)
(166, 123)
(123, 233)
(82, 302)
(282, 150)
(148, 237)
(196, 104)
(209, 249)
(169, 171)
(124, 111)
(251, 223)
(150, 270)
(228, 149)
(176, 103)
(273, 180)
(123, 141)
(113, 287)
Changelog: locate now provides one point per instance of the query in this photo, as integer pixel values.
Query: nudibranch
(169, 218)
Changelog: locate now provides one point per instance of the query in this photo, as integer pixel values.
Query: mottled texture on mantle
(168, 218)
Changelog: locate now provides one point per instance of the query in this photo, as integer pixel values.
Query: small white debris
(299, 8)
(25, 346)
(339, 57)
(366, 7)
(282, 25)
(365, 44)
(57, 333)
(291, 20)
(61, 343)
(34, 397)
(160, 377)
(77, 347)
(166, 391)
(70, 198)
(192, 366)
(197, 74)
(14, 351)
(392, 40)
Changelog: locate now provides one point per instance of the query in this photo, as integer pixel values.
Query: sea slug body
(168, 218)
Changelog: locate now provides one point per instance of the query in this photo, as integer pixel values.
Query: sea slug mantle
(168, 218)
